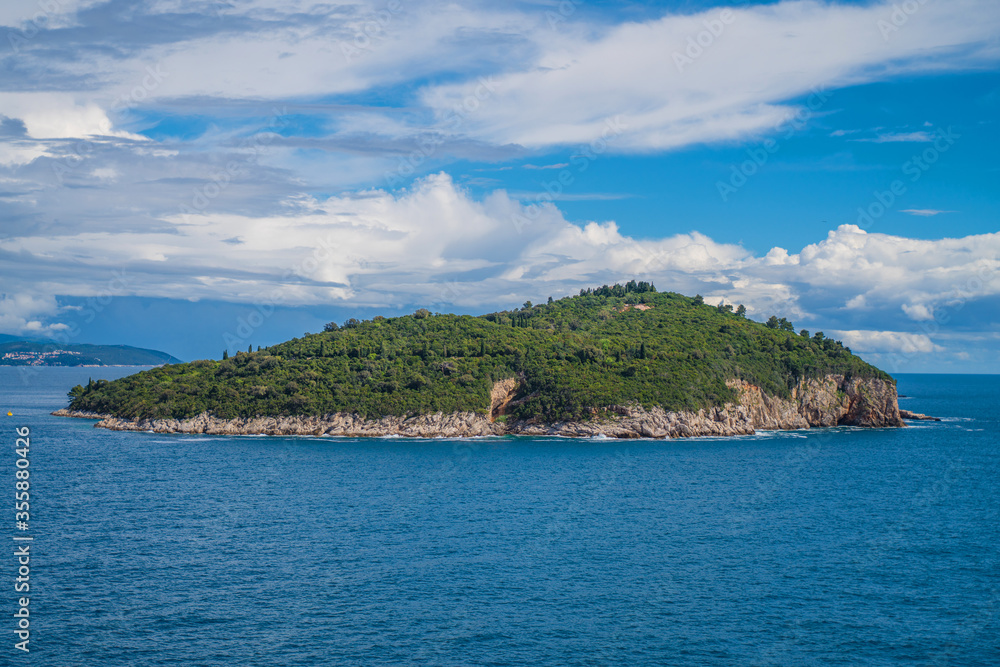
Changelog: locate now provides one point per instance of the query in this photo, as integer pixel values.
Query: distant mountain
(21, 352)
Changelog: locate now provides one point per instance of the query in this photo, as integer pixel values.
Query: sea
(839, 546)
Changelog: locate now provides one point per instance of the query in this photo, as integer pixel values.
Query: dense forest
(613, 345)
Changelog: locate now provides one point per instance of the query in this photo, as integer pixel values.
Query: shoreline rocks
(830, 401)
(916, 416)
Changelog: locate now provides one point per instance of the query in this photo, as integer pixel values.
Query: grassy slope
(574, 353)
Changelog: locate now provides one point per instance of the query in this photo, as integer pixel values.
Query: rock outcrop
(916, 416)
(830, 401)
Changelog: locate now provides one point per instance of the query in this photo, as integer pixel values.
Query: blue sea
(826, 547)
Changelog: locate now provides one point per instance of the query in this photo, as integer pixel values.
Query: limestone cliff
(830, 401)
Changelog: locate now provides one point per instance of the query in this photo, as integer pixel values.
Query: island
(23, 352)
(622, 361)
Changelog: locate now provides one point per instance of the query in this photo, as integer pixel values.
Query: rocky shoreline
(831, 401)
(916, 416)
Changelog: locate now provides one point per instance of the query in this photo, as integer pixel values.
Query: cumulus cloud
(26, 314)
(436, 242)
(886, 269)
(919, 312)
(371, 246)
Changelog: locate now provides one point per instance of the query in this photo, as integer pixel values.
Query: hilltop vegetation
(610, 346)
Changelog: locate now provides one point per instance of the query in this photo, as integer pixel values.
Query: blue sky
(190, 175)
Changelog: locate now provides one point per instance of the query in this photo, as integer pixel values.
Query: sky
(200, 175)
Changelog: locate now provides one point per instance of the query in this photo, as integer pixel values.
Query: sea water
(826, 547)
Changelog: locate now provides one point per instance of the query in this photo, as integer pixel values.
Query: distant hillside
(39, 353)
(620, 345)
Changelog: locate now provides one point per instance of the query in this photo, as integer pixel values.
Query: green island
(620, 345)
(19, 352)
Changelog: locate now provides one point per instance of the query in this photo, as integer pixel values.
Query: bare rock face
(873, 403)
(830, 401)
(502, 394)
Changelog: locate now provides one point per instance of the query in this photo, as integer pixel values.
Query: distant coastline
(36, 353)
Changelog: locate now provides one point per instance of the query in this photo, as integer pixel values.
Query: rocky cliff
(831, 401)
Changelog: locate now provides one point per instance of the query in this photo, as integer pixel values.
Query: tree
(698, 300)
(741, 310)
(550, 299)
(351, 323)
(804, 333)
(250, 349)
(330, 326)
(225, 354)
(642, 350)
(818, 336)
(527, 305)
(774, 322)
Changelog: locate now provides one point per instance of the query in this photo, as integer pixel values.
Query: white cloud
(26, 16)
(736, 84)
(25, 314)
(372, 247)
(20, 152)
(898, 270)
(554, 85)
(925, 212)
(886, 341)
(559, 165)
(918, 312)
(59, 116)
(336, 49)
(900, 137)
